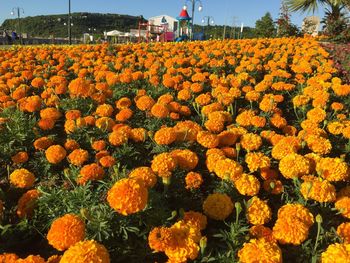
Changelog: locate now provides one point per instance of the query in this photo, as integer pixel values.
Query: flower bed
(218, 151)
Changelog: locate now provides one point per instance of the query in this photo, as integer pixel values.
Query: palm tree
(312, 5)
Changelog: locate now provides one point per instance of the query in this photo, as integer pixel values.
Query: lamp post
(18, 10)
(209, 20)
(200, 7)
(69, 24)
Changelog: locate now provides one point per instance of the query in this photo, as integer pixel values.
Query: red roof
(184, 15)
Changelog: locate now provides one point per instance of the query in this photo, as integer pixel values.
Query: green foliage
(17, 132)
(54, 24)
(265, 26)
(336, 24)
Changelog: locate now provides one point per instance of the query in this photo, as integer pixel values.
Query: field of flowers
(217, 151)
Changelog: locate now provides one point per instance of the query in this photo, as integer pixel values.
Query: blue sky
(223, 11)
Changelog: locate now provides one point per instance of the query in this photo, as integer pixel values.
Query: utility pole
(234, 20)
(18, 11)
(69, 24)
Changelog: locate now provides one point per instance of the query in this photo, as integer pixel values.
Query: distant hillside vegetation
(54, 24)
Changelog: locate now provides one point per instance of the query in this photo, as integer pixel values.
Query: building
(161, 20)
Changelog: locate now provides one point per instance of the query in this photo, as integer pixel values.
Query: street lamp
(18, 11)
(69, 24)
(200, 8)
(209, 20)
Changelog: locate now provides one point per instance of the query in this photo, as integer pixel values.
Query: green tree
(265, 26)
(285, 27)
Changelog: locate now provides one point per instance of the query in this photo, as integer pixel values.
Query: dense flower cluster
(174, 138)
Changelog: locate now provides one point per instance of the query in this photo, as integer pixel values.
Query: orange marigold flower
(185, 159)
(22, 178)
(26, 203)
(196, 219)
(336, 253)
(285, 146)
(294, 165)
(98, 145)
(214, 125)
(124, 115)
(86, 251)
(251, 141)
(73, 114)
(343, 230)
(184, 95)
(8, 258)
(138, 134)
(50, 113)
(207, 139)
(337, 106)
(66, 231)
(317, 189)
(123, 103)
(104, 110)
(343, 205)
(258, 212)
(193, 180)
(292, 225)
(333, 169)
(145, 174)
(105, 123)
(257, 160)
(20, 157)
(260, 250)
(78, 157)
(260, 231)
(163, 164)
(273, 186)
(46, 124)
(54, 259)
(159, 111)
(145, 103)
(31, 259)
(247, 184)
(160, 238)
(32, 103)
(71, 145)
(118, 138)
(79, 87)
(165, 136)
(128, 196)
(55, 154)
(107, 161)
(316, 115)
(42, 143)
(226, 168)
(187, 130)
(90, 172)
(218, 206)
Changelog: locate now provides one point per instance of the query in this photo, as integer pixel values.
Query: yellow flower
(317, 189)
(336, 253)
(227, 169)
(294, 165)
(258, 212)
(260, 250)
(333, 169)
(22, 178)
(55, 154)
(247, 184)
(343, 205)
(86, 251)
(185, 159)
(163, 164)
(251, 141)
(218, 206)
(257, 160)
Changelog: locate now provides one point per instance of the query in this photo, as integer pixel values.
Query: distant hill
(47, 25)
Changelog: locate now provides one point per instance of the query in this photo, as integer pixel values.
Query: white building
(163, 20)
